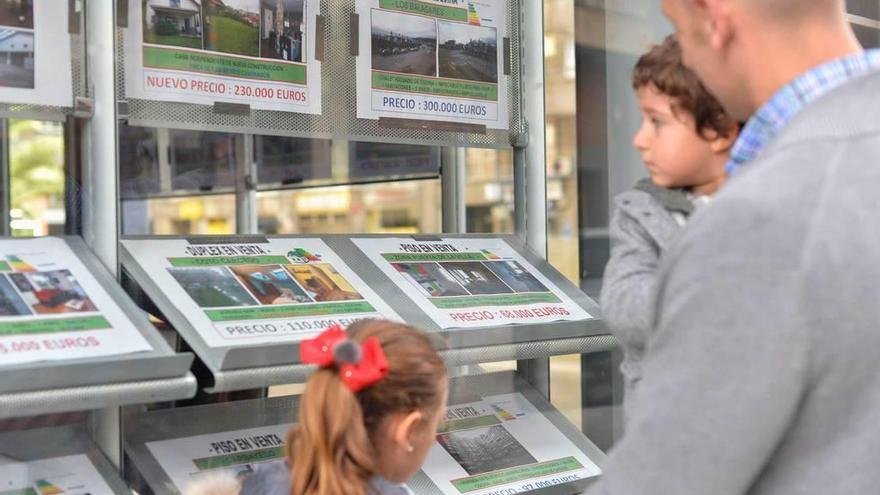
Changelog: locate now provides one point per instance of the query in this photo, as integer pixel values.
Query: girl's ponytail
(330, 444)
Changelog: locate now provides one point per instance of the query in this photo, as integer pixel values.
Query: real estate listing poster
(255, 52)
(35, 63)
(71, 475)
(52, 308)
(502, 444)
(440, 60)
(245, 294)
(469, 283)
(235, 452)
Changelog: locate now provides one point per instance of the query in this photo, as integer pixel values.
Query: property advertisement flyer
(440, 60)
(243, 294)
(52, 308)
(255, 52)
(71, 475)
(502, 445)
(470, 283)
(35, 61)
(236, 452)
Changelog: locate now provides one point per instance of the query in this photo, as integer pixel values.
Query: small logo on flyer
(300, 255)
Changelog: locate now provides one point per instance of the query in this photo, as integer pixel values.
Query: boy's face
(672, 150)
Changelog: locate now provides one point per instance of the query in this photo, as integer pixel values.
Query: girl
(367, 419)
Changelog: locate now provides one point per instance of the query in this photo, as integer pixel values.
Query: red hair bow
(359, 365)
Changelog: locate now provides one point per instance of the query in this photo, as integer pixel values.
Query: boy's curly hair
(664, 68)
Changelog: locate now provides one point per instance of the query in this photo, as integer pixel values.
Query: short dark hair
(663, 67)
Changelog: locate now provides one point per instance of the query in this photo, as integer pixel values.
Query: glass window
(489, 191)
(409, 207)
(176, 182)
(36, 178)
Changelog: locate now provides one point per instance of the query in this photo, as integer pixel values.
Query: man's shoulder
(847, 112)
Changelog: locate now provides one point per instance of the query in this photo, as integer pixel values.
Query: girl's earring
(410, 449)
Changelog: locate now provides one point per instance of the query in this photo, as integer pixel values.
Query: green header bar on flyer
(513, 475)
(4, 267)
(306, 310)
(56, 325)
(468, 423)
(223, 65)
(499, 300)
(222, 461)
(424, 8)
(228, 260)
(416, 257)
(433, 86)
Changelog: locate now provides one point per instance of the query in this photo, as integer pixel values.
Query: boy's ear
(723, 143)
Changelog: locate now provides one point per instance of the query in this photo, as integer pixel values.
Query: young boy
(685, 142)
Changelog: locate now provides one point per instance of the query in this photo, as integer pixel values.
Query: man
(762, 373)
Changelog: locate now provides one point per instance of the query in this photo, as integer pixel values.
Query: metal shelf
(90, 397)
(250, 378)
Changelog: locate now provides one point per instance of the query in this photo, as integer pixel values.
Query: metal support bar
(4, 178)
(452, 181)
(530, 176)
(100, 187)
(246, 188)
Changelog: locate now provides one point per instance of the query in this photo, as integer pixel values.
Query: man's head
(746, 50)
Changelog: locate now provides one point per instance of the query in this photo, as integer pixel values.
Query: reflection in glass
(289, 161)
(36, 178)
(392, 207)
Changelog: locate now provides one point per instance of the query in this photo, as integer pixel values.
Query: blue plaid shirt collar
(789, 101)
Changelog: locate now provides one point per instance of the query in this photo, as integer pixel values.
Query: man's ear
(717, 22)
(404, 427)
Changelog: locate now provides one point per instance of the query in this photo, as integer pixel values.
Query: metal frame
(216, 418)
(529, 168)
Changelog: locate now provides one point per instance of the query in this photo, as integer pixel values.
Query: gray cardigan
(762, 375)
(642, 228)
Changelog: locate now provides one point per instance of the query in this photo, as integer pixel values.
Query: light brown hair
(331, 448)
(663, 67)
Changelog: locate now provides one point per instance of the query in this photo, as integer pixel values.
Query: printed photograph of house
(282, 30)
(16, 58)
(173, 22)
(232, 26)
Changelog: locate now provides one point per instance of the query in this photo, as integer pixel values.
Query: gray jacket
(763, 373)
(642, 228)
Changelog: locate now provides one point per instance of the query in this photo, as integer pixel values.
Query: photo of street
(516, 277)
(404, 43)
(468, 52)
(483, 450)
